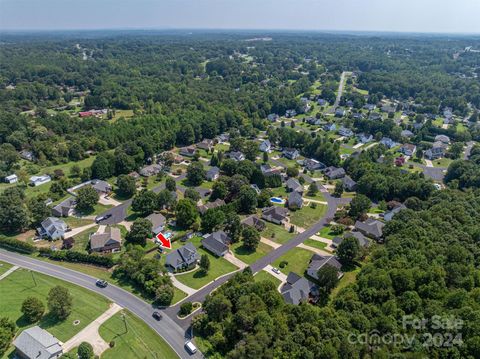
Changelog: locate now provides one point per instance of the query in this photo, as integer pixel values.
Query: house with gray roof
(188, 151)
(334, 172)
(330, 127)
(255, 222)
(298, 290)
(295, 200)
(290, 153)
(265, 146)
(437, 151)
(109, 241)
(388, 216)
(11, 178)
(442, 138)
(102, 187)
(408, 149)
(317, 261)
(361, 239)
(275, 214)
(39, 180)
(210, 205)
(213, 173)
(406, 133)
(235, 155)
(158, 221)
(345, 132)
(349, 184)
(388, 142)
(206, 144)
(217, 243)
(183, 258)
(372, 228)
(37, 343)
(52, 228)
(150, 170)
(65, 208)
(293, 185)
(364, 138)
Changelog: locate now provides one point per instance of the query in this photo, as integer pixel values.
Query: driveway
(234, 260)
(281, 276)
(78, 230)
(181, 286)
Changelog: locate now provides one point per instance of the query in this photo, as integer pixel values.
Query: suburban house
(349, 184)
(322, 102)
(216, 242)
(295, 200)
(334, 172)
(290, 153)
(357, 116)
(294, 186)
(236, 156)
(364, 138)
(183, 258)
(109, 241)
(27, 155)
(268, 170)
(11, 179)
(372, 228)
(345, 132)
(223, 138)
(275, 214)
(52, 228)
(369, 106)
(361, 239)
(255, 222)
(102, 187)
(317, 261)
(134, 174)
(273, 117)
(290, 113)
(388, 216)
(437, 151)
(298, 290)
(408, 149)
(388, 142)
(188, 151)
(374, 116)
(39, 180)
(64, 208)
(330, 127)
(37, 343)
(339, 112)
(150, 170)
(158, 221)
(209, 205)
(213, 173)
(406, 133)
(312, 165)
(442, 138)
(265, 146)
(314, 121)
(206, 145)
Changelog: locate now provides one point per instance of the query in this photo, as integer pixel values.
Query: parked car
(276, 270)
(191, 347)
(101, 283)
(157, 315)
(102, 218)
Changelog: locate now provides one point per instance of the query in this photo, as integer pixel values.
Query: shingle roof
(297, 289)
(184, 256)
(37, 343)
(111, 236)
(217, 242)
(371, 227)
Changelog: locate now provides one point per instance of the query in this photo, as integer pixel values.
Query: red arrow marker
(164, 242)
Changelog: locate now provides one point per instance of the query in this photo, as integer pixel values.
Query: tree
(264, 198)
(359, 205)
(13, 212)
(251, 150)
(85, 351)
(7, 332)
(139, 232)
(165, 199)
(60, 302)
(192, 194)
(265, 157)
(38, 210)
(292, 171)
(185, 309)
(164, 294)
(219, 190)
(204, 263)
(327, 278)
(87, 198)
(251, 238)
(170, 184)
(233, 227)
(338, 191)
(348, 251)
(212, 220)
(33, 309)
(101, 168)
(126, 185)
(186, 213)
(196, 174)
(145, 202)
(75, 171)
(247, 200)
(312, 189)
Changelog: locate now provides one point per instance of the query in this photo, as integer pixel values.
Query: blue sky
(359, 15)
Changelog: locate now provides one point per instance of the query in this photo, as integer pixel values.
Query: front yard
(262, 276)
(276, 233)
(307, 216)
(296, 259)
(248, 256)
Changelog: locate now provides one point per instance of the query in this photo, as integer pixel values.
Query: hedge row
(78, 257)
(16, 245)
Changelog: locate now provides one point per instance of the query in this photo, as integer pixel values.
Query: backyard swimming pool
(277, 200)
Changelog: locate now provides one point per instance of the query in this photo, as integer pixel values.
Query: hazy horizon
(411, 16)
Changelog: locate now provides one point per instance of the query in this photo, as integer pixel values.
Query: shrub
(112, 343)
(16, 245)
(85, 351)
(283, 264)
(185, 309)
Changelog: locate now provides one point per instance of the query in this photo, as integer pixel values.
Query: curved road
(166, 328)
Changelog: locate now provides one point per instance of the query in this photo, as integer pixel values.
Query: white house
(265, 146)
(11, 179)
(39, 180)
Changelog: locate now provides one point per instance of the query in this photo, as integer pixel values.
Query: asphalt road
(167, 328)
(341, 85)
(466, 155)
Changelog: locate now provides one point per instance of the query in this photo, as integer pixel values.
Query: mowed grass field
(20, 284)
(133, 339)
(297, 259)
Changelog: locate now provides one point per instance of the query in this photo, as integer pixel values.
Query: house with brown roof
(109, 241)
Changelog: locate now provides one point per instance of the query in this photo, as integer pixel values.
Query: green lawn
(248, 256)
(297, 258)
(22, 284)
(307, 216)
(318, 196)
(316, 244)
(97, 209)
(133, 339)
(276, 233)
(325, 232)
(348, 278)
(262, 275)
(82, 239)
(4, 267)
(442, 162)
(218, 267)
(75, 222)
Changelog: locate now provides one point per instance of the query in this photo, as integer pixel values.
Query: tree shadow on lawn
(244, 251)
(200, 274)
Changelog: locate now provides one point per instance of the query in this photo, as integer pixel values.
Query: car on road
(275, 270)
(156, 315)
(102, 218)
(192, 349)
(101, 283)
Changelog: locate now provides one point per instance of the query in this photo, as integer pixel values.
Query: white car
(276, 270)
(191, 347)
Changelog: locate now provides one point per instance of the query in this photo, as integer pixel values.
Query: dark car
(102, 218)
(101, 283)
(157, 315)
